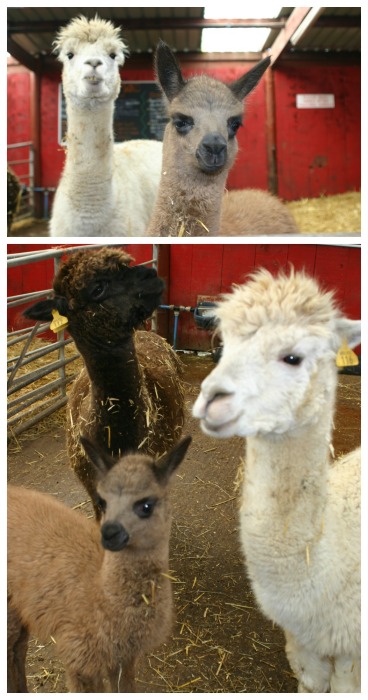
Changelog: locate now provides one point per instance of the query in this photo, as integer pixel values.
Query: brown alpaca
(130, 395)
(199, 148)
(247, 212)
(102, 593)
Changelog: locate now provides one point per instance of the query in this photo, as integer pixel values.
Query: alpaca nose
(94, 62)
(214, 144)
(212, 152)
(114, 536)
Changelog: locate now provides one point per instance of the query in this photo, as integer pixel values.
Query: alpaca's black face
(112, 305)
(103, 299)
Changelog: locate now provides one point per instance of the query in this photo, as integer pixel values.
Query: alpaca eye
(70, 55)
(182, 123)
(98, 290)
(144, 509)
(100, 503)
(113, 55)
(233, 124)
(292, 359)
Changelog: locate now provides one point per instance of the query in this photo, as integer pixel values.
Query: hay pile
(339, 213)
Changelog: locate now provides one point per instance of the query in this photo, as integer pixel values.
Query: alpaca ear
(100, 459)
(349, 330)
(168, 73)
(165, 466)
(41, 311)
(244, 85)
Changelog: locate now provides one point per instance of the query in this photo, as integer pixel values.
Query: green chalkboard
(139, 113)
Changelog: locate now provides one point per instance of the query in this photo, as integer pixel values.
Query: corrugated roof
(31, 30)
(337, 29)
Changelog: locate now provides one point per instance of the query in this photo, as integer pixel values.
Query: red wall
(201, 270)
(209, 270)
(317, 151)
(19, 116)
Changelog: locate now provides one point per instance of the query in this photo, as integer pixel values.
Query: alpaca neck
(89, 144)
(187, 204)
(117, 396)
(285, 481)
(128, 573)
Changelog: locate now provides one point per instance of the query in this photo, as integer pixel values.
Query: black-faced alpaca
(199, 149)
(104, 594)
(129, 395)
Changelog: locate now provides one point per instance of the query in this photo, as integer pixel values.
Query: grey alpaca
(199, 149)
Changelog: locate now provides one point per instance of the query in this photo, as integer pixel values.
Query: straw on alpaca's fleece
(103, 594)
(129, 395)
(275, 385)
(105, 189)
(199, 148)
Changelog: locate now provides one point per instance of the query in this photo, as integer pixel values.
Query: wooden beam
(270, 132)
(146, 23)
(306, 24)
(282, 40)
(22, 56)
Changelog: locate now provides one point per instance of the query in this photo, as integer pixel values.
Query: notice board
(139, 113)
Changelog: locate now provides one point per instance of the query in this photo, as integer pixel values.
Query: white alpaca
(106, 189)
(300, 514)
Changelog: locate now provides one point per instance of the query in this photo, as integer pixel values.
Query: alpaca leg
(346, 675)
(17, 650)
(122, 678)
(77, 682)
(312, 671)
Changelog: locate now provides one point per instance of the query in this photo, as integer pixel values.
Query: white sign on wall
(324, 101)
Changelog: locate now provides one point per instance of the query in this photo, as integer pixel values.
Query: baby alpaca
(275, 384)
(102, 593)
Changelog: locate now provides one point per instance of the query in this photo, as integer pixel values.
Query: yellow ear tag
(58, 322)
(346, 357)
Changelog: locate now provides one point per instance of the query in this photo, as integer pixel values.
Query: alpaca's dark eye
(100, 503)
(113, 55)
(144, 508)
(70, 55)
(98, 290)
(233, 124)
(182, 123)
(292, 359)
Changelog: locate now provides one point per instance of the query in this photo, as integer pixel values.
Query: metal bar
(31, 397)
(22, 298)
(36, 419)
(36, 374)
(19, 145)
(43, 327)
(40, 352)
(24, 350)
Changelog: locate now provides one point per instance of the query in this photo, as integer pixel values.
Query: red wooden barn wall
(317, 151)
(19, 116)
(195, 270)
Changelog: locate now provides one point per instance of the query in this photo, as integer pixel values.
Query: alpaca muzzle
(211, 153)
(114, 536)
